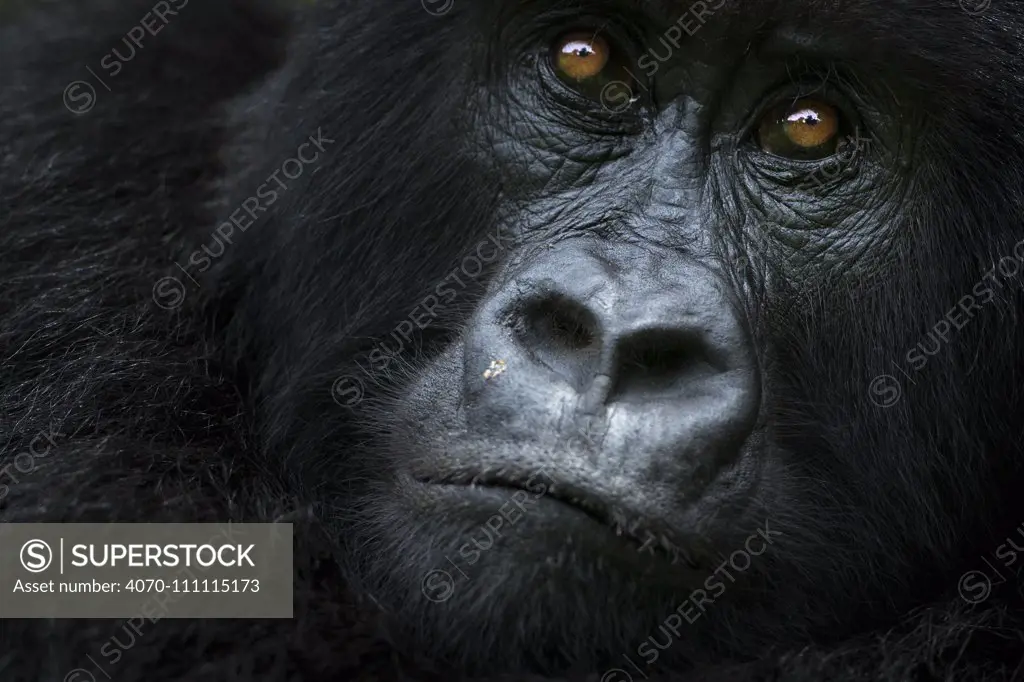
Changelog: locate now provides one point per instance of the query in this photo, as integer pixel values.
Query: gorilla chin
(462, 560)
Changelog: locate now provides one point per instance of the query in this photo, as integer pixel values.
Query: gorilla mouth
(641, 536)
(567, 495)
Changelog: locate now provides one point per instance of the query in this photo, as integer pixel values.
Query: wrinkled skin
(572, 380)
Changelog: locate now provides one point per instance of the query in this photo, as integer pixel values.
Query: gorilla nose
(641, 344)
(633, 346)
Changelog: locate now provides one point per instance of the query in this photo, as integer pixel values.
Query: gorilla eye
(806, 129)
(588, 63)
(581, 57)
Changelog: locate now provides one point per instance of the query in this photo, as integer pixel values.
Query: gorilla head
(610, 324)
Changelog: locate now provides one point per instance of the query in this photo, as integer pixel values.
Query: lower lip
(549, 524)
(511, 506)
(506, 497)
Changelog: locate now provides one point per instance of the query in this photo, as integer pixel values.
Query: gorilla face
(637, 343)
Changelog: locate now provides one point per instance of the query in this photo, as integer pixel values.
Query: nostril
(662, 360)
(562, 324)
(562, 334)
(569, 326)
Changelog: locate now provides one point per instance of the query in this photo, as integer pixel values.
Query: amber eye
(580, 56)
(592, 66)
(804, 129)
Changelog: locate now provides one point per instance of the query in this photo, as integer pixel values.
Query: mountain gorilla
(628, 339)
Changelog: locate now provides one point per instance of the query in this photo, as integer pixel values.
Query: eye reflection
(805, 129)
(590, 64)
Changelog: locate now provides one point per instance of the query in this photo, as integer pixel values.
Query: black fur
(221, 408)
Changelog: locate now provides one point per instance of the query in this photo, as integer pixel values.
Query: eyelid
(800, 89)
(621, 40)
(578, 112)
